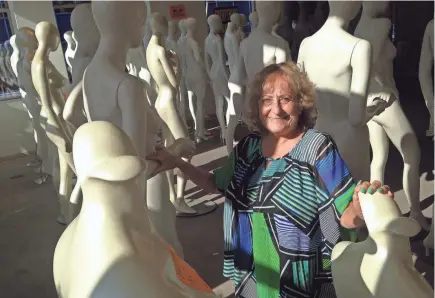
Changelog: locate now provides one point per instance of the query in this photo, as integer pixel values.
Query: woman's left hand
(370, 188)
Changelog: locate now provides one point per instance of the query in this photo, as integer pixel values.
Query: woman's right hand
(165, 160)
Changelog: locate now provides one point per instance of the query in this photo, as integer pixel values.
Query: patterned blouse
(282, 222)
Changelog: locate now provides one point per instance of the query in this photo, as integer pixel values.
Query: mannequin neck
(213, 30)
(171, 35)
(189, 33)
(336, 21)
(43, 50)
(264, 27)
(157, 38)
(114, 50)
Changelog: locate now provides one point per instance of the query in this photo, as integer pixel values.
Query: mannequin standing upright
(9, 51)
(425, 73)
(339, 65)
(217, 71)
(71, 48)
(48, 83)
(232, 43)
(182, 97)
(253, 19)
(392, 123)
(170, 42)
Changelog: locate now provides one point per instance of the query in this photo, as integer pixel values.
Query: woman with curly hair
(289, 196)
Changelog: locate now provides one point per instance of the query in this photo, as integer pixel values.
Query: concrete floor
(29, 231)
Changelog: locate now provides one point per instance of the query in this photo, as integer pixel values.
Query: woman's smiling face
(278, 107)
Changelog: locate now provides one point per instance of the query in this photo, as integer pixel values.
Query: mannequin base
(200, 209)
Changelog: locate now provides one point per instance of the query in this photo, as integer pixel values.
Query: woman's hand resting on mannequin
(370, 188)
(165, 160)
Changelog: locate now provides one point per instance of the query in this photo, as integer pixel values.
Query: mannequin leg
(192, 109)
(380, 144)
(182, 100)
(402, 135)
(428, 241)
(200, 118)
(430, 106)
(65, 188)
(233, 116)
(219, 103)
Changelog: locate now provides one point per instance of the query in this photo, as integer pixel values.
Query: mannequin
(170, 42)
(140, 264)
(48, 83)
(71, 50)
(339, 65)
(274, 29)
(217, 71)
(183, 68)
(392, 123)
(259, 50)
(9, 51)
(6, 76)
(253, 19)
(196, 80)
(240, 28)
(382, 265)
(232, 45)
(162, 65)
(87, 37)
(425, 73)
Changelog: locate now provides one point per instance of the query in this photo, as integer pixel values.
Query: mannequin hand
(366, 187)
(165, 160)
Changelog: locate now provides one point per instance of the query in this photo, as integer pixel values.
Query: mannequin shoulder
(361, 52)
(130, 87)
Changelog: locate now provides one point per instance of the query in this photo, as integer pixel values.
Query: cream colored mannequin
(111, 249)
(339, 65)
(217, 71)
(48, 83)
(232, 45)
(425, 73)
(257, 51)
(8, 64)
(71, 49)
(180, 52)
(195, 78)
(87, 37)
(240, 28)
(382, 265)
(253, 19)
(162, 65)
(392, 123)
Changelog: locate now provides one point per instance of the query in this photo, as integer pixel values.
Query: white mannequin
(71, 49)
(274, 29)
(162, 65)
(48, 83)
(87, 36)
(339, 65)
(382, 265)
(7, 78)
(8, 64)
(232, 45)
(217, 71)
(392, 123)
(110, 249)
(240, 28)
(195, 78)
(183, 68)
(170, 42)
(253, 19)
(425, 73)
(257, 51)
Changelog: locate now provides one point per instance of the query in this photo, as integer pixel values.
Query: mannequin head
(215, 23)
(121, 22)
(190, 25)
(346, 10)
(375, 9)
(47, 35)
(268, 13)
(25, 39)
(172, 28)
(235, 20)
(242, 20)
(85, 31)
(253, 19)
(159, 24)
(182, 27)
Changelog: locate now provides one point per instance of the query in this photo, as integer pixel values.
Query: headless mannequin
(195, 78)
(71, 49)
(121, 254)
(162, 65)
(392, 123)
(339, 65)
(183, 90)
(253, 19)
(25, 45)
(259, 50)
(382, 265)
(217, 71)
(240, 28)
(425, 73)
(48, 83)
(87, 37)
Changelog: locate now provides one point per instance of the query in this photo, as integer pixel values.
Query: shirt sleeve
(222, 176)
(334, 187)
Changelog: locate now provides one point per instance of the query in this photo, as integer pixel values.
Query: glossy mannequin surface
(87, 36)
(425, 73)
(217, 71)
(253, 19)
(111, 249)
(162, 65)
(195, 78)
(241, 27)
(339, 65)
(391, 124)
(71, 49)
(183, 68)
(48, 83)
(382, 265)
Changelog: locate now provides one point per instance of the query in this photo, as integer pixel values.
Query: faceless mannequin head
(268, 13)
(85, 30)
(172, 28)
(347, 10)
(235, 20)
(242, 19)
(159, 24)
(253, 19)
(190, 25)
(215, 23)
(375, 8)
(182, 27)
(47, 35)
(25, 39)
(123, 21)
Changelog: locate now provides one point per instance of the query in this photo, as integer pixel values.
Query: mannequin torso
(232, 46)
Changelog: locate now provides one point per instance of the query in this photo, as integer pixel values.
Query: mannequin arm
(207, 62)
(425, 66)
(167, 67)
(378, 44)
(196, 51)
(361, 61)
(236, 46)
(221, 57)
(72, 102)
